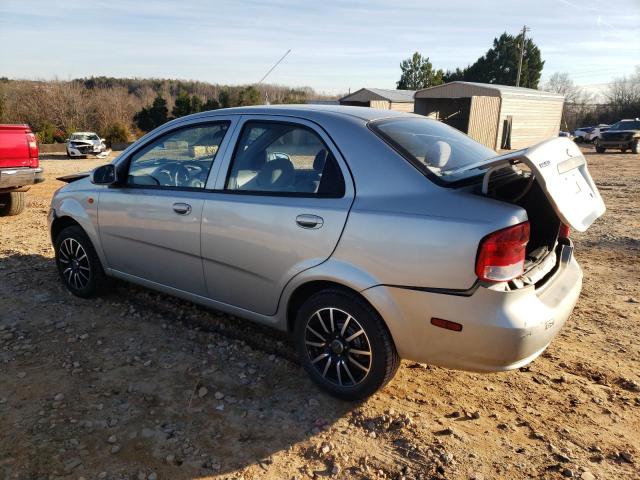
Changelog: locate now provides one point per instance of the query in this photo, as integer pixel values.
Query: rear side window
(284, 158)
(433, 147)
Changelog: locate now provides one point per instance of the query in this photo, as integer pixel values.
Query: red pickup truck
(19, 167)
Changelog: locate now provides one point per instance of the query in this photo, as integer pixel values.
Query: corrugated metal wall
(483, 120)
(534, 119)
(402, 107)
(382, 104)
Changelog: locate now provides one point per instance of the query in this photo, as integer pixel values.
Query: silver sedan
(370, 235)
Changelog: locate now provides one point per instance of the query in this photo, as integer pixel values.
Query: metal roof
(364, 94)
(459, 88)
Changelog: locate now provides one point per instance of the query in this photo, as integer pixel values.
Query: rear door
(279, 210)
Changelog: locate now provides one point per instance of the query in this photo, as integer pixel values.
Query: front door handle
(309, 221)
(182, 208)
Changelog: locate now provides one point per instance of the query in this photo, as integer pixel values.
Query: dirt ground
(138, 385)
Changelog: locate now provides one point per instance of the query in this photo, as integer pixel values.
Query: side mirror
(103, 140)
(104, 175)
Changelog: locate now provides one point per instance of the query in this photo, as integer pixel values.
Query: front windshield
(433, 147)
(626, 125)
(84, 136)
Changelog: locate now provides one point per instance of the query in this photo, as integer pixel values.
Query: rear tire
(344, 345)
(78, 263)
(12, 203)
(635, 146)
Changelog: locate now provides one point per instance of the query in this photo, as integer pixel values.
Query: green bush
(116, 133)
(46, 133)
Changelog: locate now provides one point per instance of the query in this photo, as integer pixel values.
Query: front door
(280, 210)
(150, 224)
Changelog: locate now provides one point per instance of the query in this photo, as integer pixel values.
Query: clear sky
(336, 45)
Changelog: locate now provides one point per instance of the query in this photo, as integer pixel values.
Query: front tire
(78, 263)
(600, 149)
(12, 203)
(344, 345)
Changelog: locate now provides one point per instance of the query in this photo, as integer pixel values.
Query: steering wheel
(275, 155)
(193, 168)
(178, 174)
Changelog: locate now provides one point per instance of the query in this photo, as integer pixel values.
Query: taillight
(501, 254)
(564, 231)
(33, 149)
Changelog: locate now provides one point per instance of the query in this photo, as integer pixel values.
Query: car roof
(84, 133)
(363, 113)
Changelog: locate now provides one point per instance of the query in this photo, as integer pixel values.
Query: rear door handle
(182, 208)
(309, 221)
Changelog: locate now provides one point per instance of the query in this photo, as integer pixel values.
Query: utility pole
(525, 29)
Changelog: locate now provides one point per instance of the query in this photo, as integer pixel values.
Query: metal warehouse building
(400, 100)
(499, 116)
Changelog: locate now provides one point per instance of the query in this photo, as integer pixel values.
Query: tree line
(619, 99)
(122, 109)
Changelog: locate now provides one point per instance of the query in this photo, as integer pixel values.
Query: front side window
(273, 157)
(433, 147)
(180, 159)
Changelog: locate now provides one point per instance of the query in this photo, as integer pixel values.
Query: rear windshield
(433, 147)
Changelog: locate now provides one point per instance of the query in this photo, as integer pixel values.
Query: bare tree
(577, 101)
(563, 84)
(624, 92)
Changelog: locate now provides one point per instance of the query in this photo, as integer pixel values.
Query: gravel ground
(139, 385)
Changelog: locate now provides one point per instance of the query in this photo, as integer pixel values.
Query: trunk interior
(517, 187)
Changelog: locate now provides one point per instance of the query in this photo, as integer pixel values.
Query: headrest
(438, 154)
(254, 162)
(320, 160)
(277, 173)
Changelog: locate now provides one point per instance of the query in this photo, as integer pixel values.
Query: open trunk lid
(561, 170)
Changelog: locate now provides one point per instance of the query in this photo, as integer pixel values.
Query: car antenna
(266, 95)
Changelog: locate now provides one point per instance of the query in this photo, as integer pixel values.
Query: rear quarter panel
(405, 230)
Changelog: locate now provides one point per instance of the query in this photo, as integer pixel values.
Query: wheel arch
(60, 223)
(70, 211)
(305, 290)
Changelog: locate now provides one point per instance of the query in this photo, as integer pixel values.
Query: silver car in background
(370, 235)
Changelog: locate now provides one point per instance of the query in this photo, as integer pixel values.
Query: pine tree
(417, 72)
(500, 64)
